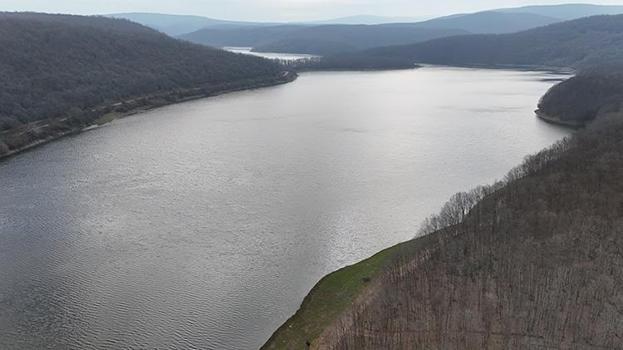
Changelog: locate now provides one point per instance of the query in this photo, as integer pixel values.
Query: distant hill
(495, 21)
(331, 39)
(510, 20)
(567, 11)
(175, 25)
(581, 98)
(317, 40)
(579, 43)
(489, 22)
(61, 72)
(366, 19)
(241, 37)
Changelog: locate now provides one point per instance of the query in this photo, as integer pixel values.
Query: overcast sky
(271, 10)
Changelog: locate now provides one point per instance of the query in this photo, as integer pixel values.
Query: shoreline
(355, 325)
(305, 327)
(57, 128)
(557, 121)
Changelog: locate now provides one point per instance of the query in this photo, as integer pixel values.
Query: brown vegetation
(534, 262)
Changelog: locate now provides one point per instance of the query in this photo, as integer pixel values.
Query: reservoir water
(269, 55)
(203, 225)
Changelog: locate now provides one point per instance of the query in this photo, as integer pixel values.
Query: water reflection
(203, 225)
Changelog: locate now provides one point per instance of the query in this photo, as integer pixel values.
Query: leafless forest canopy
(534, 261)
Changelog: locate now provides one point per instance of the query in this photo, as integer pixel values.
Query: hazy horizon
(273, 10)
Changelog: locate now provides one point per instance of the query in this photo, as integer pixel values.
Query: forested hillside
(581, 43)
(60, 72)
(536, 264)
(581, 98)
(531, 262)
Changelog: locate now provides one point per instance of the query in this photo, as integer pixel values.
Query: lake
(203, 225)
(269, 55)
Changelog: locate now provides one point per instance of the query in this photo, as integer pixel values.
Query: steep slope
(578, 100)
(536, 264)
(61, 72)
(532, 262)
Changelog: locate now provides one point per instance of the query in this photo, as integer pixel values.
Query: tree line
(534, 261)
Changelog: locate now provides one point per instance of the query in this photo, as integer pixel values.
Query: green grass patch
(336, 292)
(326, 301)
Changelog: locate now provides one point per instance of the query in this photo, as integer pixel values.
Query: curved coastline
(41, 132)
(557, 120)
(308, 325)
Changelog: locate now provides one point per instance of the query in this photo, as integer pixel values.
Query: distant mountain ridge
(579, 43)
(175, 25)
(319, 40)
(323, 39)
(340, 38)
(567, 11)
(348, 39)
(488, 22)
(240, 37)
(333, 39)
(365, 19)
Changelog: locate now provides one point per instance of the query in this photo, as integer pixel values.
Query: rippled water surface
(203, 225)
